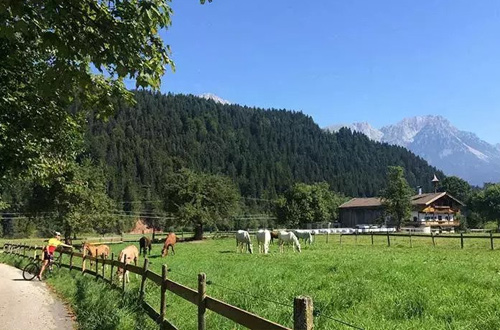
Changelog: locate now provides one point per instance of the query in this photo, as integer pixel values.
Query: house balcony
(435, 223)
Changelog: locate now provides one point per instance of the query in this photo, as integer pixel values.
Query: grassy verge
(95, 304)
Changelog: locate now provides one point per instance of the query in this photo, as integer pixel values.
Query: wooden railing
(432, 236)
(303, 306)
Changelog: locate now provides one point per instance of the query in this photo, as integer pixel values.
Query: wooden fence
(432, 237)
(302, 306)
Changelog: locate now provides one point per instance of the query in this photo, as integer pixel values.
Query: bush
(491, 225)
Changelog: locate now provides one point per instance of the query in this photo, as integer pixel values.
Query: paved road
(29, 304)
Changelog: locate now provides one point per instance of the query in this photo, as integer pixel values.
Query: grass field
(372, 287)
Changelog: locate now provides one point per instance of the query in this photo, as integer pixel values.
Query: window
(415, 219)
(440, 217)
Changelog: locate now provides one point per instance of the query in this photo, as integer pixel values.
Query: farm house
(434, 210)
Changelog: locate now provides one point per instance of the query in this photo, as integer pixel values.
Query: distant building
(435, 210)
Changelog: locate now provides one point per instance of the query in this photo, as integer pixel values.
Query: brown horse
(145, 245)
(274, 235)
(95, 250)
(169, 241)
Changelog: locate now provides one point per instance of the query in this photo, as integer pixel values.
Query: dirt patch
(141, 227)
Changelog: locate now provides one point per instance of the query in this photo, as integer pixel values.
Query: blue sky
(344, 61)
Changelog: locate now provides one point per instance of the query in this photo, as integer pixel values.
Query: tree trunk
(67, 236)
(198, 232)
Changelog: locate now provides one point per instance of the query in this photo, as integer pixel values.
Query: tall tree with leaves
(396, 198)
(305, 203)
(76, 202)
(456, 187)
(200, 199)
(47, 49)
(487, 203)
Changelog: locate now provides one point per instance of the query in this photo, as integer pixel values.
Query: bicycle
(32, 269)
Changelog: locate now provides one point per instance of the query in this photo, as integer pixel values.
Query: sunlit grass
(374, 287)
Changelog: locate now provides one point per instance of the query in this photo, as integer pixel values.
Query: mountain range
(443, 145)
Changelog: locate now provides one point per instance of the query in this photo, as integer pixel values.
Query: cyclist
(48, 251)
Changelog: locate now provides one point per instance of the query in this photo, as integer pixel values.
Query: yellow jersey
(53, 244)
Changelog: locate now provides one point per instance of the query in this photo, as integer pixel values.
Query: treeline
(133, 165)
(263, 151)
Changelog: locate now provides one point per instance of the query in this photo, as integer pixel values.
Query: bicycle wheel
(30, 271)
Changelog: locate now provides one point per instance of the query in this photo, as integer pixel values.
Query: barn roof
(422, 199)
(362, 202)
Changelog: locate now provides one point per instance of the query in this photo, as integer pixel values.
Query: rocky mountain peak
(210, 96)
(443, 145)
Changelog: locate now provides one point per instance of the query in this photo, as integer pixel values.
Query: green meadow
(369, 286)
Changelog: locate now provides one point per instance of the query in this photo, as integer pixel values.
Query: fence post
(433, 241)
(388, 239)
(143, 281)
(163, 302)
(124, 271)
(340, 239)
(103, 265)
(71, 261)
(327, 236)
(411, 243)
(202, 288)
(462, 240)
(96, 267)
(356, 238)
(84, 254)
(96, 256)
(303, 313)
(491, 240)
(371, 234)
(112, 266)
(34, 253)
(60, 258)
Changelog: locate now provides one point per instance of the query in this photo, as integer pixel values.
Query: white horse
(288, 237)
(263, 240)
(243, 237)
(305, 234)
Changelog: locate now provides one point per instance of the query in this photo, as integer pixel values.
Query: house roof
(422, 199)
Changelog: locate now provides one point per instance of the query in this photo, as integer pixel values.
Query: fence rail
(432, 237)
(196, 297)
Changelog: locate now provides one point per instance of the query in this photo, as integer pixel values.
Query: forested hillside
(263, 151)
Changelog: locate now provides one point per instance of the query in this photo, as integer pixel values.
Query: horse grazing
(287, 237)
(169, 241)
(242, 238)
(145, 246)
(263, 240)
(132, 254)
(95, 250)
(274, 235)
(305, 234)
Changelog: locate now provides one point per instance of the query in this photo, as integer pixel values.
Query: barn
(429, 210)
